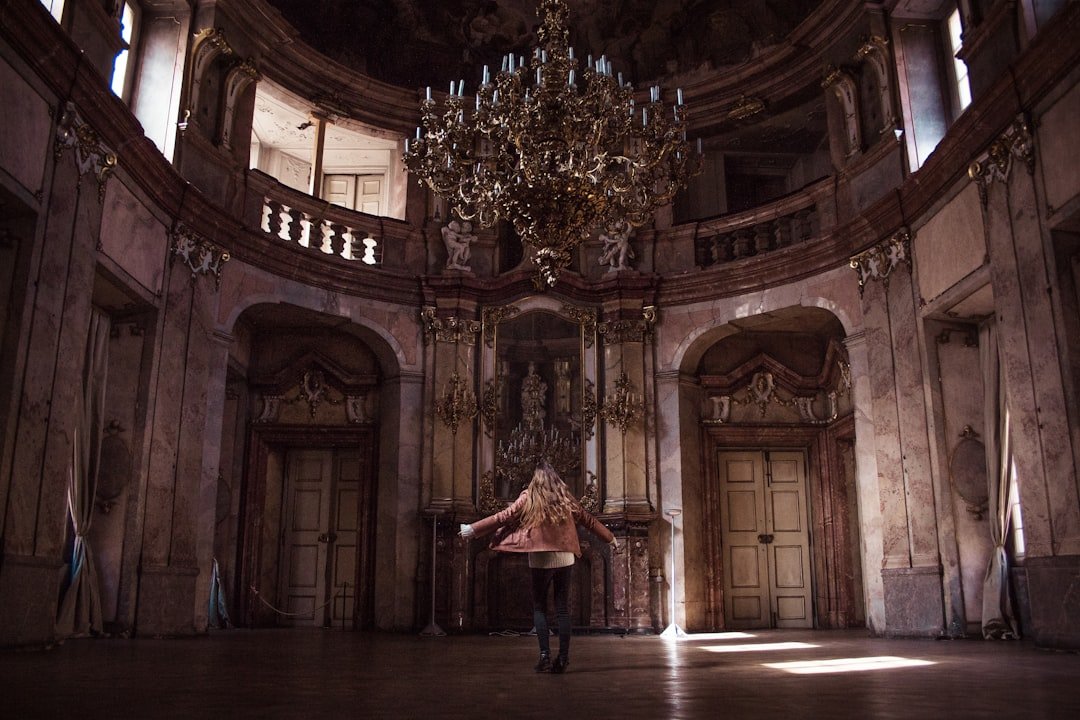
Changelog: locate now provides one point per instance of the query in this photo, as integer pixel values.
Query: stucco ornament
(91, 155)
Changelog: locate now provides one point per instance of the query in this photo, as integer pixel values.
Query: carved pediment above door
(313, 389)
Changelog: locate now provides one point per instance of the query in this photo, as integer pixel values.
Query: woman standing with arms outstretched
(543, 523)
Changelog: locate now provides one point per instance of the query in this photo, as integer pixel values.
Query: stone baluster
(762, 238)
(803, 226)
(741, 244)
(295, 229)
(337, 237)
(782, 232)
(273, 222)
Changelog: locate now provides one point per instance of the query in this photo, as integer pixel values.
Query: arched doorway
(296, 528)
(779, 522)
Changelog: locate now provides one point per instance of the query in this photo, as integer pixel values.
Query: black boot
(560, 664)
(544, 663)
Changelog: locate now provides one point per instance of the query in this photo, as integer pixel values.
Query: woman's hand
(614, 545)
(466, 531)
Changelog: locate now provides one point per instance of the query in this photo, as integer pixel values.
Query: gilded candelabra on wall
(457, 403)
(623, 407)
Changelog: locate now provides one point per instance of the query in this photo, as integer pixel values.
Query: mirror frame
(586, 320)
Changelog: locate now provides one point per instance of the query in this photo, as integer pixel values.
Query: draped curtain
(80, 607)
(219, 612)
(998, 619)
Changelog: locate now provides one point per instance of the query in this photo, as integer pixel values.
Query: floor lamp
(433, 629)
(673, 630)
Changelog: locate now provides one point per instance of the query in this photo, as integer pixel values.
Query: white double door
(319, 559)
(765, 539)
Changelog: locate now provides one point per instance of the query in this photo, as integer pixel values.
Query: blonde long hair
(549, 502)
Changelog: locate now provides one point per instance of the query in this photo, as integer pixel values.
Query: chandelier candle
(557, 160)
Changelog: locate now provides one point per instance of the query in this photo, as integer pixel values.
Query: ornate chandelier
(557, 151)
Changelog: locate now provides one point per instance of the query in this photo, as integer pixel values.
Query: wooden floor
(335, 674)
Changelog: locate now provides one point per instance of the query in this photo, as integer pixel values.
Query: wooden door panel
(785, 512)
(346, 523)
(306, 554)
(764, 539)
(746, 577)
(743, 514)
(789, 559)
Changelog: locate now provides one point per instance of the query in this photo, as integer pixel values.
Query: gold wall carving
(878, 262)
(200, 255)
(448, 329)
(91, 155)
(995, 164)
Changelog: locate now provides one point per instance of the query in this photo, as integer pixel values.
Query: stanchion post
(433, 629)
(673, 630)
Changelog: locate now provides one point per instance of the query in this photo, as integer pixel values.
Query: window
(1016, 519)
(55, 8)
(959, 67)
(128, 19)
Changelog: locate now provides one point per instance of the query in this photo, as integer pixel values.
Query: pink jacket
(544, 537)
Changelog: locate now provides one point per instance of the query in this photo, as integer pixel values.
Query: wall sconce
(458, 403)
(622, 407)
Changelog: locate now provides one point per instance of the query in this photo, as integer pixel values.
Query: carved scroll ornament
(201, 256)
(449, 329)
(91, 155)
(878, 262)
(996, 162)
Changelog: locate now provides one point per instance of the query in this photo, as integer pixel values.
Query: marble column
(169, 568)
(868, 491)
(622, 414)
(36, 513)
(455, 409)
(399, 529)
(911, 572)
(210, 469)
(678, 403)
(1031, 362)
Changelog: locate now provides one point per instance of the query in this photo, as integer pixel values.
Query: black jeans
(541, 581)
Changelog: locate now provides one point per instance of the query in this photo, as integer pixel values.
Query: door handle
(328, 537)
(765, 539)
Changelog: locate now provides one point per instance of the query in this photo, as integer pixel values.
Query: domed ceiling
(413, 43)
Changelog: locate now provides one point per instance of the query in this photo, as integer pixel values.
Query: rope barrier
(309, 613)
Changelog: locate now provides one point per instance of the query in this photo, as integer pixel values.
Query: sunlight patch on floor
(839, 665)
(720, 636)
(758, 647)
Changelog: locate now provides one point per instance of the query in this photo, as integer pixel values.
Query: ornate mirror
(967, 468)
(539, 397)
